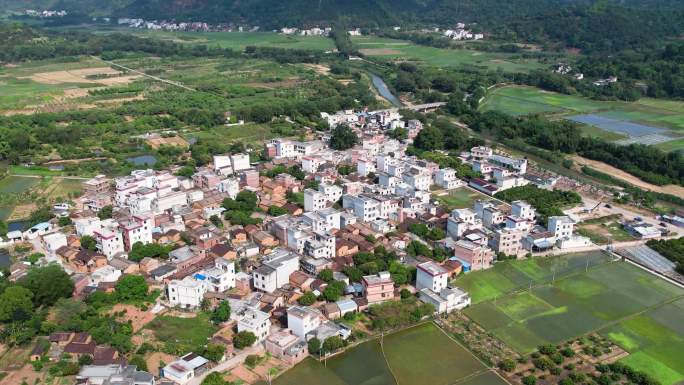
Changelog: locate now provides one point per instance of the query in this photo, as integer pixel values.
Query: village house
(378, 288)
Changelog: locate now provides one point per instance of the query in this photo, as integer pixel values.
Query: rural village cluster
(290, 250)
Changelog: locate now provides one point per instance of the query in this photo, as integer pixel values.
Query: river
(384, 91)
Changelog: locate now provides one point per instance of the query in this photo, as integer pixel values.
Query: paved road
(229, 363)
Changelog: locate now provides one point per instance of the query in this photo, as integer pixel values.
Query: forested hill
(592, 25)
(277, 13)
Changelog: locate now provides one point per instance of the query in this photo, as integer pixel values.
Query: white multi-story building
(446, 300)
(320, 245)
(522, 210)
(481, 152)
(492, 216)
(222, 165)
(109, 238)
(364, 207)
(446, 178)
(256, 322)
(284, 148)
(275, 270)
(561, 226)
(314, 200)
(432, 276)
(332, 192)
(518, 165)
(417, 179)
(54, 241)
(322, 220)
(219, 278)
(365, 167)
(230, 186)
(169, 201)
(310, 164)
(137, 230)
(302, 320)
(517, 223)
(186, 293)
(239, 162)
(290, 149)
(465, 215)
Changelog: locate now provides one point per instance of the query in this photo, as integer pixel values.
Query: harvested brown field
(171, 141)
(86, 75)
(627, 177)
(379, 51)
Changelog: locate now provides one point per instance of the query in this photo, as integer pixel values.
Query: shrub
(507, 365)
(244, 339)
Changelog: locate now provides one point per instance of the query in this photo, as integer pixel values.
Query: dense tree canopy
(343, 138)
(48, 284)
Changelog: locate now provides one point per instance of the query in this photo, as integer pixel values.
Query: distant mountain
(592, 25)
(277, 13)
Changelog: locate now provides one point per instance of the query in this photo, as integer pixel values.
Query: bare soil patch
(319, 68)
(154, 359)
(137, 317)
(379, 51)
(26, 373)
(244, 374)
(629, 178)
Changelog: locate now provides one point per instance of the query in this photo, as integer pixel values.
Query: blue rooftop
(41, 226)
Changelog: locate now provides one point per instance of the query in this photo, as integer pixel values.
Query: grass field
(248, 133)
(635, 309)
(523, 100)
(422, 355)
(404, 50)
(186, 333)
(36, 84)
(460, 198)
(240, 40)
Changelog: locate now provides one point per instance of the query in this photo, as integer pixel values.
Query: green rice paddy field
(240, 40)
(523, 100)
(17, 184)
(443, 57)
(638, 311)
(422, 355)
